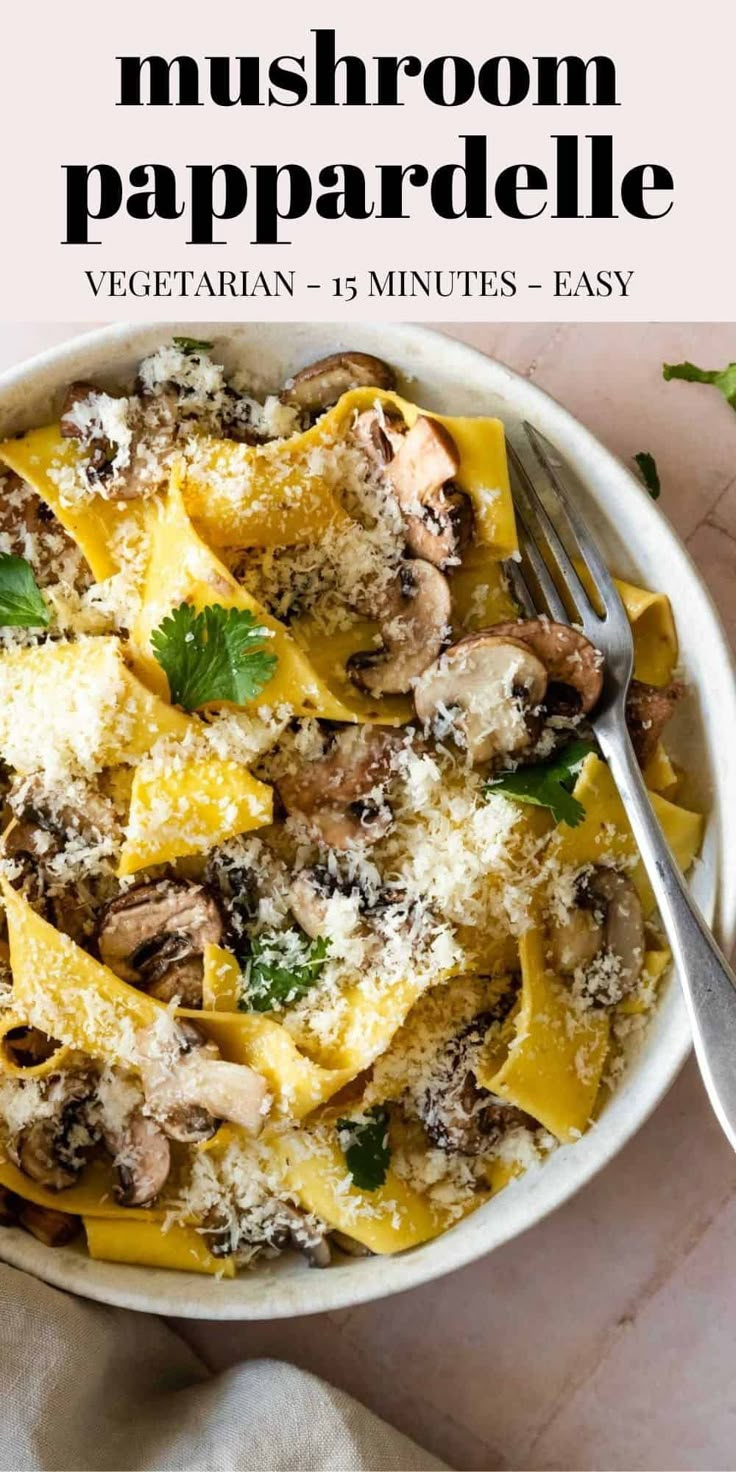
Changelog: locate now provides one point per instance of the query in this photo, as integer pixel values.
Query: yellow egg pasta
(322, 928)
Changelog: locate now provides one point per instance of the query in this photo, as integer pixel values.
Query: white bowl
(440, 374)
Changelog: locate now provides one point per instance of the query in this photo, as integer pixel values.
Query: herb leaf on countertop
(649, 473)
(724, 379)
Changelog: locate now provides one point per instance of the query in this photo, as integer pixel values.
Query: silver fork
(706, 978)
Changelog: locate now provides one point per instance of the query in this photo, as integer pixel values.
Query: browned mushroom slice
(53, 1228)
(75, 394)
(45, 821)
(81, 421)
(420, 474)
(484, 691)
(458, 1115)
(53, 1149)
(10, 1206)
(350, 1246)
(153, 936)
(142, 1160)
(306, 1235)
(30, 529)
(309, 895)
(129, 440)
(602, 937)
(340, 797)
(26, 1047)
(195, 1081)
(648, 709)
(413, 617)
(323, 382)
(574, 665)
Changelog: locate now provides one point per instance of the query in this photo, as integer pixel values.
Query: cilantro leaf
(191, 345)
(217, 654)
(364, 1143)
(547, 784)
(649, 473)
(724, 379)
(21, 602)
(281, 968)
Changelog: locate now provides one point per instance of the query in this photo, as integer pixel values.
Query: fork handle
(706, 978)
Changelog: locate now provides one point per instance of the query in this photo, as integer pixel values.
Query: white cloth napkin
(89, 1387)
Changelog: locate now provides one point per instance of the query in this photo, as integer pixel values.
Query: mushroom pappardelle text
(322, 917)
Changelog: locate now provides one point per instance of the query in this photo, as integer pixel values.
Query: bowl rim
(188, 1295)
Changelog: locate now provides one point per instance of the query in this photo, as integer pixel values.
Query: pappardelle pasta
(324, 920)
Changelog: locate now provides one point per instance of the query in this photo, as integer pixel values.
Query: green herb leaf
(649, 473)
(191, 345)
(281, 968)
(218, 654)
(364, 1143)
(548, 784)
(21, 602)
(724, 379)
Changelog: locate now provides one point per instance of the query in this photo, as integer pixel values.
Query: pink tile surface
(604, 1337)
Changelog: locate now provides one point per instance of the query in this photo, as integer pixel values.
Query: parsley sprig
(649, 473)
(364, 1143)
(548, 784)
(724, 379)
(218, 654)
(21, 602)
(280, 968)
(190, 345)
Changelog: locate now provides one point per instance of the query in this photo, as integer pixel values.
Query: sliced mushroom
(366, 905)
(576, 941)
(150, 432)
(26, 1047)
(602, 937)
(420, 474)
(78, 406)
(53, 1228)
(485, 691)
(75, 394)
(322, 383)
(154, 935)
(235, 881)
(46, 821)
(458, 1115)
(142, 1159)
(35, 1153)
(340, 797)
(574, 665)
(309, 895)
(10, 1206)
(648, 709)
(414, 617)
(30, 529)
(304, 1233)
(350, 1246)
(198, 1079)
(53, 1149)
(624, 933)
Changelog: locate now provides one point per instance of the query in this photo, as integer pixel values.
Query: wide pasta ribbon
(555, 1061)
(278, 494)
(182, 568)
(77, 703)
(604, 835)
(187, 805)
